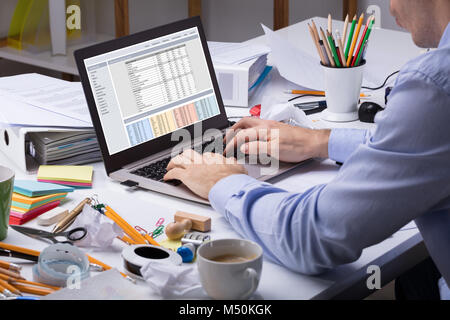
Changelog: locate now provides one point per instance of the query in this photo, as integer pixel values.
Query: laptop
(146, 91)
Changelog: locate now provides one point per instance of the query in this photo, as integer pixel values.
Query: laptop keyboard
(157, 170)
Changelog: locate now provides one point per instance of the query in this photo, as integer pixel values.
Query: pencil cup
(6, 189)
(342, 91)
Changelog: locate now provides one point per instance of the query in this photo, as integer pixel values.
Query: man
(398, 173)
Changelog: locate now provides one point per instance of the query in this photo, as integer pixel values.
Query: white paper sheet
(294, 64)
(45, 93)
(18, 113)
(235, 53)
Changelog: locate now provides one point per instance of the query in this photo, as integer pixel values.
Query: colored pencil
(341, 48)
(355, 39)
(316, 43)
(350, 36)
(333, 49)
(344, 31)
(330, 26)
(324, 52)
(364, 39)
(327, 48)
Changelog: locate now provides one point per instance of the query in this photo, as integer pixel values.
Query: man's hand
(294, 144)
(201, 172)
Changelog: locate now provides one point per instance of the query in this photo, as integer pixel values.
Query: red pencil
(339, 55)
(361, 41)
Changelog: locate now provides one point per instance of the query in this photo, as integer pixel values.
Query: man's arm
(343, 142)
(398, 175)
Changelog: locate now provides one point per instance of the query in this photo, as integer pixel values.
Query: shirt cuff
(226, 188)
(343, 142)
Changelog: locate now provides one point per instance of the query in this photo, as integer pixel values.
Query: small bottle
(187, 252)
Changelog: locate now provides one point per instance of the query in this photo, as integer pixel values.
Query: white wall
(387, 21)
(224, 20)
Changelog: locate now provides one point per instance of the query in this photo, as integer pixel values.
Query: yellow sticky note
(171, 244)
(81, 174)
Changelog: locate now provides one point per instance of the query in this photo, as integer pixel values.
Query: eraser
(51, 217)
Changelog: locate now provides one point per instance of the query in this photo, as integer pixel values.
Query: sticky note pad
(73, 174)
(32, 188)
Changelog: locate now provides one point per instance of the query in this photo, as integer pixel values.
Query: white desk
(140, 207)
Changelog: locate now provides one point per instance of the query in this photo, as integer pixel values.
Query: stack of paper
(37, 100)
(31, 199)
(74, 176)
(235, 53)
(68, 148)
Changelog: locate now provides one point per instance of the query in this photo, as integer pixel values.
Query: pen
(64, 223)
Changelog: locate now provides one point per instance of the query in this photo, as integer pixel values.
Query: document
(235, 53)
(45, 93)
(294, 64)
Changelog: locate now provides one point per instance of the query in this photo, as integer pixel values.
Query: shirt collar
(445, 40)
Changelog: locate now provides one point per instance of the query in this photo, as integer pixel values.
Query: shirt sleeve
(343, 142)
(380, 188)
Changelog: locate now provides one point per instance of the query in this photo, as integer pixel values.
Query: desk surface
(144, 208)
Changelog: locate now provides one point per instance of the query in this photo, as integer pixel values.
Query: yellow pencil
(10, 287)
(317, 93)
(34, 290)
(355, 39)
(10, 273)
(136, 236)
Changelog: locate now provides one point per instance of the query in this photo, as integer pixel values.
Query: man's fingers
(243, 136)
(175, 173)
(244, 123)
(192, 155)
(255, 148)
(179, 161)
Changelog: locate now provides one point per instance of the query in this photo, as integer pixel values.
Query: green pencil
(364, 42)
(333, 49)
(350, 37)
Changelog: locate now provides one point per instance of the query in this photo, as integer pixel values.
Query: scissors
(71, 236)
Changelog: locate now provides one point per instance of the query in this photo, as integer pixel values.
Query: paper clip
(157, 232)
(140, 229)
(160, 222)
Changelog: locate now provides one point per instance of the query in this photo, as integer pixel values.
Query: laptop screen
(150, 89)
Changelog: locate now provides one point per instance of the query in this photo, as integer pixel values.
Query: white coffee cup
(230, 280)
(342, 91)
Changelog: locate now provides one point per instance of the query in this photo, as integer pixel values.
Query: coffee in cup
(230, 269)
